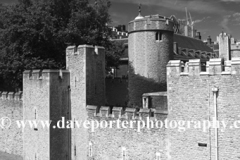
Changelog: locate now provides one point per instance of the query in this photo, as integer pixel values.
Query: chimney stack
(199, 36)
(209, 40)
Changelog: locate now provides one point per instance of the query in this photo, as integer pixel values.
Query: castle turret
(209, 40)
(198, 36)
(150, 48)
(87, 80)
(224, 46)
(46, 99)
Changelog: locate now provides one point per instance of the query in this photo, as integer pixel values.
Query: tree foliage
(114, 51)
(34, 34)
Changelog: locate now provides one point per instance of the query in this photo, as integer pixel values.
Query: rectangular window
(124, 154)
(145, 102)
(35, 116)
(75, 150)
(74, 123)
(202, 144)
(90, 149)
(158, 156)
(158, 36)
(40, 75)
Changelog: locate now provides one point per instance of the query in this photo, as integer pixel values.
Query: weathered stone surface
(191, 98)
(46, 97)
(148, 58)
(11, 138)
(87, 80)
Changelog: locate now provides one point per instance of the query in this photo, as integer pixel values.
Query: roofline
(122, 39)
(189, 37)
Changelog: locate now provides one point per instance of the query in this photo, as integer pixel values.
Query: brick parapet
(11, 137)
(4, 95)
(117, 112)
(153, 22)
(214, 66)
(191, 97)
(105, 111)
(75, 50)
(42, 74)
(120, 113)
(144, 113)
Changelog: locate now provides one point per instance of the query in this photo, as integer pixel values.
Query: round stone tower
(150, 47)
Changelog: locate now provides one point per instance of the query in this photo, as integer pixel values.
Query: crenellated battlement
(76, 50)
(234, 45)
(223, 34)
(124, 113)
(17, 96)
(213, 67)
(150, 23)
(42, 74)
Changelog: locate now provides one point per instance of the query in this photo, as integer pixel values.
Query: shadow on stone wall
(138, 85)
(128, 92)
(117, 92)
(6, 156)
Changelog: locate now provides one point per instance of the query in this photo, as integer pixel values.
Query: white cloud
(224, 24)
(201, 20)
(236, 18)
(233, 19)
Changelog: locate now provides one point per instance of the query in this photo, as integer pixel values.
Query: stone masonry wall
(36, 141)
(147, 63)
(45, 98)
(235, 53)
(95, 75)
(60, 139)
(224, 46)
(107, 143)
(87, 81)
(11, 138)
(148, 56)
(191, 97)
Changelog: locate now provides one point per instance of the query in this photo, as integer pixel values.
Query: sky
(211, 17)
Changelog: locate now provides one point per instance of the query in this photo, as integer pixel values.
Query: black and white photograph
(119, 79)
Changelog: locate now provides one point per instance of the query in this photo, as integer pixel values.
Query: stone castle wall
(87, 81)
(79, 94)
(45, 98)
(235, 49)
(107, 143)
(191, 97)
(228, 47)
(11, 138)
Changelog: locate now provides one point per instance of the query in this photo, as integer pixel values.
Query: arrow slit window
(158, 36)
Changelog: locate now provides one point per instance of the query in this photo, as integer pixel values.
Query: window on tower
(35, 116)
(158, 36)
